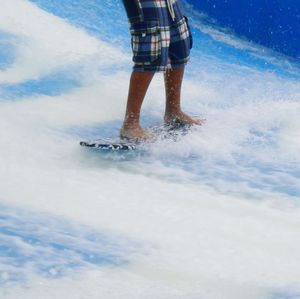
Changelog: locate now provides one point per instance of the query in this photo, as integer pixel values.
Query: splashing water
(219, 208)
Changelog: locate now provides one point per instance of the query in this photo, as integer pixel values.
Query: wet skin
(139, 83)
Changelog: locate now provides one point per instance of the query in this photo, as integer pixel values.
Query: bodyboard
(109, 145)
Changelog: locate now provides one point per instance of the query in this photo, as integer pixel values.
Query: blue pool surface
(53, 247)
(272, 23)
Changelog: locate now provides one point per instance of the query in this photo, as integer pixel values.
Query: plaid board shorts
(158, 41)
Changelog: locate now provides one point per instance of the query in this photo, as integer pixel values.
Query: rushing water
(213, 215)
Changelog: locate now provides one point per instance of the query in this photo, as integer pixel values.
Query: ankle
(172, 107)
(131, 120)
(171, 113)
(129, 125)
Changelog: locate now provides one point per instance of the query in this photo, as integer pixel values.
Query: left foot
(134, 132)
(182, 119)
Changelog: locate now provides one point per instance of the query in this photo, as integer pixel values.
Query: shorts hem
(157, 69)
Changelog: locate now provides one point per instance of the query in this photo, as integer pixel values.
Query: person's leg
(173, 112)
(139, 83)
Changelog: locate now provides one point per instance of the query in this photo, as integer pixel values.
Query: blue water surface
(46, 245)
(50, 85)
(7, 49)
(271, 23)
(107, 20)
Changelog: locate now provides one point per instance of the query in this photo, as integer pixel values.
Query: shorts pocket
(146, 42)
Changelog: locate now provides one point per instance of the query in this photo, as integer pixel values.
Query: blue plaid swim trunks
(160, 34)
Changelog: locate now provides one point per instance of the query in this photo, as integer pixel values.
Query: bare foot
(180, 118)
(134, 132)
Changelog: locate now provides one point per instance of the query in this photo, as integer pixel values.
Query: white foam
(205, 237)
(198, 237)
(47, 43)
